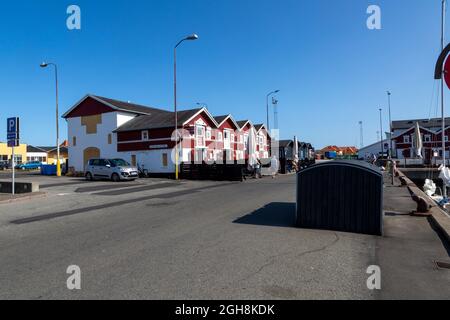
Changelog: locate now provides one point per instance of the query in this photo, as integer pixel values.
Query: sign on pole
(12, 128)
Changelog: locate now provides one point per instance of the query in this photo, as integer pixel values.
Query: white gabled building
(91, 124)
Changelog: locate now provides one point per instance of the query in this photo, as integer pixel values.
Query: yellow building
(6, 153)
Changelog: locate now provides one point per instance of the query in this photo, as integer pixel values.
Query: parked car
(33, 165)
(4, 165)
(113, 169)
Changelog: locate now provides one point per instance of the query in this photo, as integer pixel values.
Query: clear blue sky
(331, 69)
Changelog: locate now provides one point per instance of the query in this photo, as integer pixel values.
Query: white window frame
(202, 135)
(208, 133)
(406, 139)
(427, 138)
(219, 136)
(446, 138)
(232, 138)
(143, 133)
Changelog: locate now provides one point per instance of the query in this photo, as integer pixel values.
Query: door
(102, 171)
(90, 153)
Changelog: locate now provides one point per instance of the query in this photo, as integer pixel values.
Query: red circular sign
(447, 72)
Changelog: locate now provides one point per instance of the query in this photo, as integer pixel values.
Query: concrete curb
(35, 195)
(437, 215)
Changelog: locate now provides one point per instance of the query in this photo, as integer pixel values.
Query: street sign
(12, 128)
(13, 143)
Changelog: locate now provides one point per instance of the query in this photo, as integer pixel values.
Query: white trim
(199, 112)
(232, 119)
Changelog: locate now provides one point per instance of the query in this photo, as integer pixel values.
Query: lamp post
(381, 132)
(58, 162)
(202, 104)
(190, 38)
(267, 106)
(361, 134)
(390, 126)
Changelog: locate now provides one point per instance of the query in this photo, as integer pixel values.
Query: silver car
(113, 169)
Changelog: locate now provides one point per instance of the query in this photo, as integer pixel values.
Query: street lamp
(267, 106)
(390, 125)
(381, 132)
(58, 162)
(202, 104)
(188, 38)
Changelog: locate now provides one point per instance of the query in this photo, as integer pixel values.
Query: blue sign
(13, 143)
(12, 128)
(13, 125)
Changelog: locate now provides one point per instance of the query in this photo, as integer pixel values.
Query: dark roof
(258, 126)
(425, 123)
(219, 119)
(127, 106)
(45, 149)
(157, 120)
(242, 123)
(284, 143)
(35, 149)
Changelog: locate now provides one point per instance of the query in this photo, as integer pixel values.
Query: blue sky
(332, 71)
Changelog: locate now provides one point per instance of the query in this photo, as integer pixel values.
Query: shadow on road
(275, 214)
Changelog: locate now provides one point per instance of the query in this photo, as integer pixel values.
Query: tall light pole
(390, 126)
(58, 162)
(188, 38)
(267, 106)
(361, 134)
(381, 132)
(202, 104)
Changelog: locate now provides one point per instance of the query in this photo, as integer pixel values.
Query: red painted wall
(89, 107)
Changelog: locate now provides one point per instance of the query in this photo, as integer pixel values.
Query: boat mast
(442, 90)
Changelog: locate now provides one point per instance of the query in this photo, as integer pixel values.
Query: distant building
(20, 153)
(373, 149)
(47, 155)
(143, 136)
(403, 135)
(339, 152)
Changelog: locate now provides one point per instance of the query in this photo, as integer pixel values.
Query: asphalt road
(203, 240)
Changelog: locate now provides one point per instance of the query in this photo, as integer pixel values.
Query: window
(446, 139)
(406, 139)
(110, 138)
(165, 160)
(219, 136)
(74, 141)
(241, 138)
(427, 138)
(145, 135)
(232, 138)
(208, 134)
(200, 136)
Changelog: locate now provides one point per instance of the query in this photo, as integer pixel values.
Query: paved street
(160, 239)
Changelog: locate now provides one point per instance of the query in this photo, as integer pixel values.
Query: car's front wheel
(115, 177)
(89, 176)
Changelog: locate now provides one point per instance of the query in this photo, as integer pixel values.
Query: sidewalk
(9, 198)
(439, 218)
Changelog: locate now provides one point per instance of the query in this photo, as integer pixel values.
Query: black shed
(342, 196)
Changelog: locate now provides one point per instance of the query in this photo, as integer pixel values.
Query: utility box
(341, 196)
